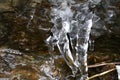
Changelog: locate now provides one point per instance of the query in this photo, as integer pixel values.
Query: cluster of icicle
(72, 25)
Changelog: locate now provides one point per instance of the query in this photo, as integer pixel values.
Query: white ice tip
(118, 70)
(66, 26)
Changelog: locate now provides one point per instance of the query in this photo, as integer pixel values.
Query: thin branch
(102, 64)
(103, 73)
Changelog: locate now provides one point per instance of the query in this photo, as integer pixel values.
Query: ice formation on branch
(72, 25)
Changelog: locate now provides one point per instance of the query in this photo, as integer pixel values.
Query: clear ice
(72, 26)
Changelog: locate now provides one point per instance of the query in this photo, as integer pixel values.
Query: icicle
(71, 33)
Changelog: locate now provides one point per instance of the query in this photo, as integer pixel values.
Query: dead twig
(100, 74)
(102, 64)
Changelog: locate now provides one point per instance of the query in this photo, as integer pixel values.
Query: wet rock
(27, 27)
(50, 70)
(108, 43)
(24, 73)
(98, 29)
(4, 67)
(5, 5)
(3, 34)
(10, 58)
(109, 12)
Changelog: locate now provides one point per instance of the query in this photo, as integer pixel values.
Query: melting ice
(72, 25)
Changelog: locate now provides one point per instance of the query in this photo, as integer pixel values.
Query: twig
(103, 73)
(102, 64)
